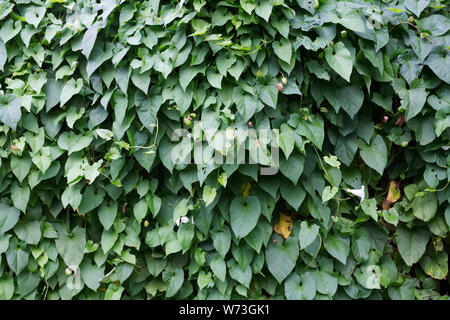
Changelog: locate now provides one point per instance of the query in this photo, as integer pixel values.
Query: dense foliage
(93, 206)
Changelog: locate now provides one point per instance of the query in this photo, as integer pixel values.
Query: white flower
(184, 220)
(357, 192)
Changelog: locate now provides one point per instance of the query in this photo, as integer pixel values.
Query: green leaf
(436, 60)
(114, 292)
(71, 88)
(244, 215)
(329, 193)
(91, 274)
(403, 292)
(71, 246)
(268, 93)
(416, 6)
(338, 247)
(412, 243)
(219, 268)
(73, 143)
(3, 55)
(435, 264)
(313, 130)
(140, 210)
(6, 288)
(242, 276)
(91, 199)
(286, 139)
(20, 167)
(247, 5)
(188, 73)
(281, 256)
(42, 159)
(109, 238)
(361, 245)
(308, 233)
(294, 291)
(107, 214)
(340, 60)
(174, 280)
(88, 41)
(263, 9)
(425, 207)
(20, 196)
(292, 168)
(10, 112)
(351, 99)
(28, 231)
(375, 154)
(293, 194)
(283, 49)
(351, 19)
(8, 217)
(209, 194)
(34, 15)
(214, 78)
(417, 99)
(325, 282)
(369, 276)
(221, 241)
(369, 206)
(224, 62)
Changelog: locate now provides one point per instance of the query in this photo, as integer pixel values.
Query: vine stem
(417, 28)
(315, 256)
(320, 160)
(442, 189)
(154, 142)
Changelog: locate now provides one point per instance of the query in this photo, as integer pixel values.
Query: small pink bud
(280, 87)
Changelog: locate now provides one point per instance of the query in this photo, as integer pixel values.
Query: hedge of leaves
(91, 200)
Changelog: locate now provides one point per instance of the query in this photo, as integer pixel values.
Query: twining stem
(154, 142)
(417, 28)
(315, 256)
(320, 160)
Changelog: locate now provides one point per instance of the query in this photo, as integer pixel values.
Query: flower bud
(146, 223)
(280, 86)
(404, 144)
(68, 271)
(259, 73)
(284, 80)
(187, 121)
(343, 33)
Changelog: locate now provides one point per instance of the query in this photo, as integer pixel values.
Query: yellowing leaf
(245, 189)
(284, 225)
(393, 195)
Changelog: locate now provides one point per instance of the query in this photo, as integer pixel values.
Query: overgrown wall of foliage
(94, 206)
